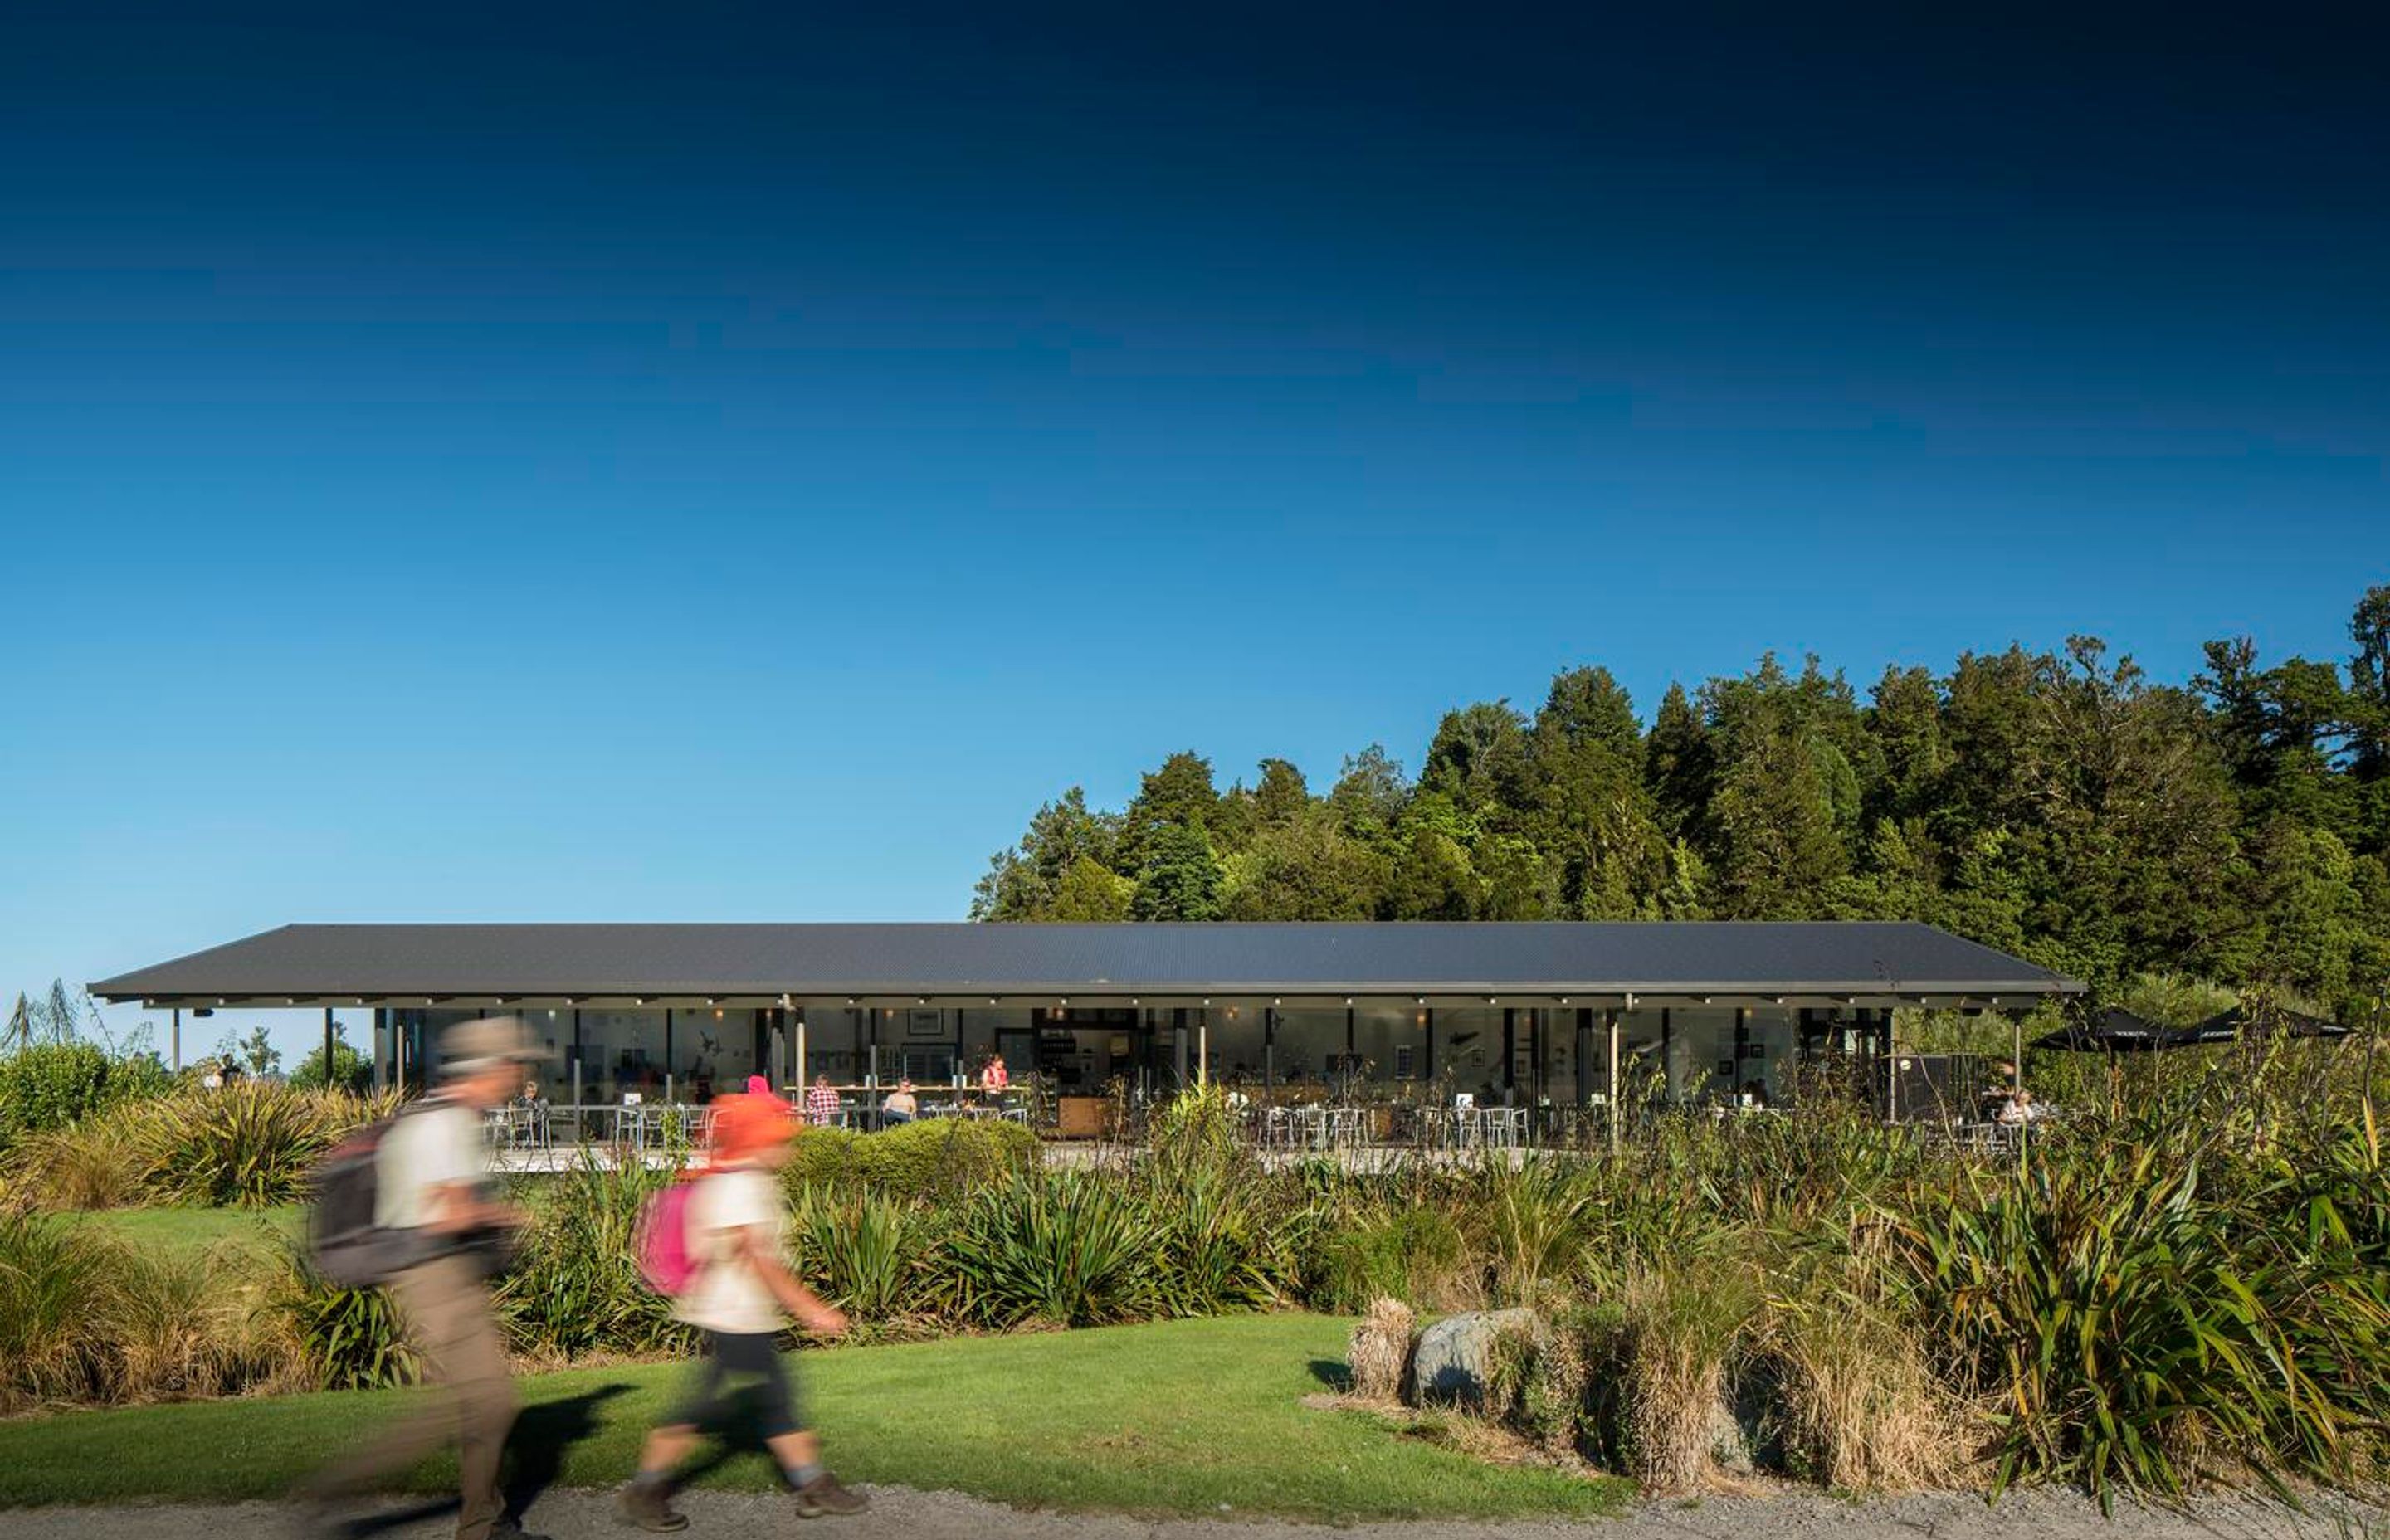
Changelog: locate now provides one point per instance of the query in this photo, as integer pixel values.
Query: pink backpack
(661, 1241)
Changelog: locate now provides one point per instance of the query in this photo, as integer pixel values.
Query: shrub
(2141, 1325)
(940, 1155)
(1409, 1252)
(870, 1255)
(338, 1339)
(1067, 1247)
(87, 1166)
(51, 1274)
(574, 1287)
(49, 1086)
(251, 1143)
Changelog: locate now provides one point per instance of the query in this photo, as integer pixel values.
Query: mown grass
(184, 1230)
(1182, 1417)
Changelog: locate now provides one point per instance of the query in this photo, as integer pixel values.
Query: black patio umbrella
(2288, 1023)
(2117, 1030)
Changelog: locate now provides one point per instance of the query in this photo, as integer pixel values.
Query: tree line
(2057, 806)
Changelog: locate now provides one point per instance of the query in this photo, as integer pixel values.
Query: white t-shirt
(727, 1295)
(436, 1146)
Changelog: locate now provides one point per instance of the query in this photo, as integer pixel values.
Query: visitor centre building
(1558, 1013)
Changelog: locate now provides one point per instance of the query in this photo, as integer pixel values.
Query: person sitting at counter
(901, 1106)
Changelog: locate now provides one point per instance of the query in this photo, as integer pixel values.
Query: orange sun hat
(746, 1123)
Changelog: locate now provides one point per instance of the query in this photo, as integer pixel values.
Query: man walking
(430, 1177)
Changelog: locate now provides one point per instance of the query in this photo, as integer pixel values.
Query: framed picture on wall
(924, 1024)
(1402, 1062)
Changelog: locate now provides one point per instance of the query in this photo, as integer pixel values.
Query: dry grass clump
(1684, 1325)
(1379, 1354)
(86, 1166)
(85, 1318)
(1859, 1408)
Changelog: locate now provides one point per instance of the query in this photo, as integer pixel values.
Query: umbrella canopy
(2122, 1032)
(2288, 1023)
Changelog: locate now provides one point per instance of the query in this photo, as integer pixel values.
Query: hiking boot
(511, 1529)
(650, 1508)
(823, 1496)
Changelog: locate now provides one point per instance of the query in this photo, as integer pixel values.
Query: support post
(1609, 1109)
(1427, 1065)
(804, 1066)
(1270, 1049)
(1179, 1047)
(178, 1039)
(1510, 1057)
(668, 1053)
(329, 1081)
(1202, 1049)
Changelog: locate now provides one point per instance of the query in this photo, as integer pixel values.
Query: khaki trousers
(447, 1315)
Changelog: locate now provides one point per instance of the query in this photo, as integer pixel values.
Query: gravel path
(903, 1515)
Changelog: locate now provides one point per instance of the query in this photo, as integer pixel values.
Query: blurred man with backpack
(714, 1245)
(435, 1230)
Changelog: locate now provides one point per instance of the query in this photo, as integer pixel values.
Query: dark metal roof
(321, 963)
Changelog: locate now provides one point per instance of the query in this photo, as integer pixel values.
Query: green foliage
(869, 1253)
(352, 1071)
(340, 1339)
(54, 1085)
(915, 1160)
(575, 1287)
(2057, 804)
(251, 1144)
(1064, 1248)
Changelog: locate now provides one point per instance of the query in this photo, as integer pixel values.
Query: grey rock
(1455, 1357)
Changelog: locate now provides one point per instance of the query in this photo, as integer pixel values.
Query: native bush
(1410, 1252)
(251, 1143)
(941, 1155)
(48, 1086)
(574, 1287)
(872, 1255)
(85, 1317)
(86, 1166)
(2134, 1328)
(338, 1339)
(51, 1272)
(1066, 1248)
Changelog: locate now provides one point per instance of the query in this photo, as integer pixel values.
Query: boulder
(1454, 1362)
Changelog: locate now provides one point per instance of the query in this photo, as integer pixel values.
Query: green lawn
(197, 1229)
(1189, 1416)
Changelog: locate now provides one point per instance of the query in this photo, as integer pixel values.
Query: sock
(803, 1475)
(650, 1480)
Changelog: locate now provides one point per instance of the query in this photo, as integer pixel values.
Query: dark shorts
(741, 1355)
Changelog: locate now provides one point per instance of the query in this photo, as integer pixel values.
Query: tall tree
(1022, 883)
(1180, 877)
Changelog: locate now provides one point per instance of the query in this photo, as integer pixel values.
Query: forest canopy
(2057, 805)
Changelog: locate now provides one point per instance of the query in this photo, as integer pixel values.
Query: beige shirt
(728, 1294)
(439, 1146)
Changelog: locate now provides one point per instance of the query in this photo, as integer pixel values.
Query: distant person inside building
(821, 1102)
(993, 1075)
(431, 1182)
(901, 1107)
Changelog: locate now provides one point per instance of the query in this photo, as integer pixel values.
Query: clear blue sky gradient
(693, 463)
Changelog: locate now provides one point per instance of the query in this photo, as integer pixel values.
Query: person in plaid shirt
(822, 1103)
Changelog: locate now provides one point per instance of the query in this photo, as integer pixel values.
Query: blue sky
(723, 464)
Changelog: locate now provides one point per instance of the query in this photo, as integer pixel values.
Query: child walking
(740, 1296)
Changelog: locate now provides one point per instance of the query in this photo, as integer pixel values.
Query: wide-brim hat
(470, 1048)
